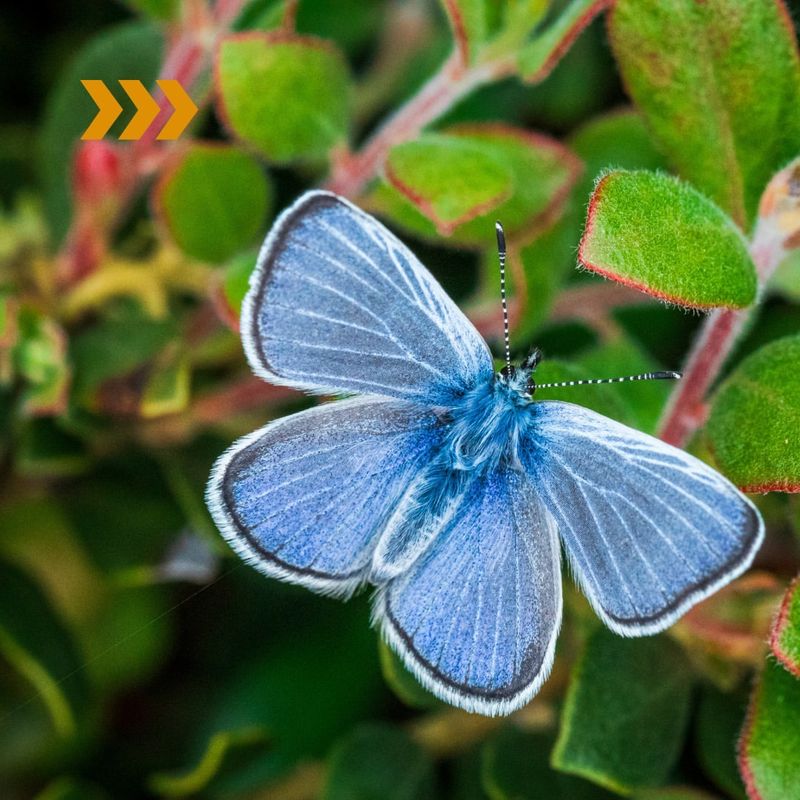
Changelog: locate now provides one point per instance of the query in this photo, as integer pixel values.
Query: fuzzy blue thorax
(485, 424)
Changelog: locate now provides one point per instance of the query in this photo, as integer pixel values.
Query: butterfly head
(520, 378)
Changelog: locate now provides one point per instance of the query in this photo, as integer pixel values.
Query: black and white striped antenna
(501, 254)
(664, 375)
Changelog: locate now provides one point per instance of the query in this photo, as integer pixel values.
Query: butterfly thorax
(486, 423)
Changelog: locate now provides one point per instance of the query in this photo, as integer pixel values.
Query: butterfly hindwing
(338, 304)
(648, 529)
(305, 498)
(475, 617)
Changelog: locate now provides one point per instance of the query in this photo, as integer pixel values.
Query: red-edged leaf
(657, 234)
(770, 742)
(468, 22)
(538, 58)
(785, 637)
(450, 179)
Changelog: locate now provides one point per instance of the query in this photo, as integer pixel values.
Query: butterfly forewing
(305, 498)
(339, 304)
(649, 529)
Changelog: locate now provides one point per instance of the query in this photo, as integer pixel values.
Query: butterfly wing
(649, 530)
(475, 617)
(338, 304)
(304, 498)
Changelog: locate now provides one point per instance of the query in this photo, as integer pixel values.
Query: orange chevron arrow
(146, 110)
(184, 106)
(108, 110)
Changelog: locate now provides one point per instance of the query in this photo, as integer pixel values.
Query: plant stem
(686, 410)
(443, 90)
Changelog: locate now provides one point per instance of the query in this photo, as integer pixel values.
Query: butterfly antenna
(665, 375)
(501, 254)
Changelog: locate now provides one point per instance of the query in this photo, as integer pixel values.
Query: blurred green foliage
(138, 656)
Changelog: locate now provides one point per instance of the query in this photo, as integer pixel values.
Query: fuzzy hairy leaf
(213, 201)
(657, 234)
(625, 691)
(379, 761)
(719, 84)
(450, 179)
(785, 636)
(771, 737)
(285, 95)
(754, 427)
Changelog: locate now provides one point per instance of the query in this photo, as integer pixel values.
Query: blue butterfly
(444, 484)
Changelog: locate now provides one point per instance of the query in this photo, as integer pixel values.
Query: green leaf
(40, 358)
(286, 95)
(626, 711)
(379, 761)
(542, 171)
(46, 450)
(225, 752)
(167, 389)
(468, 21)
(615, 140)
(654, 233)
(163, 10)
(718, 721)
(306, 690)
(213, 201)
(673, 793)
(237, 281)
(785, 637)
(771, 737)
(450, 179)
(786, 279)
(401, 681)
(114, 347)
(131, 50)
(71, 789)
(538, 58)
(719, 84)
(34, 640)
(755, 421)
(515, 765)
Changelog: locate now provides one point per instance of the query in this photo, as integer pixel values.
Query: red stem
(452, 82)
(686, 410)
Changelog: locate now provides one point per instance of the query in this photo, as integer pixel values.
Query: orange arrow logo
(109, 109)
(147, 109)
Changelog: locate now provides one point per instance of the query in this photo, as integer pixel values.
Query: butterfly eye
(531, 387)
(508, 372)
